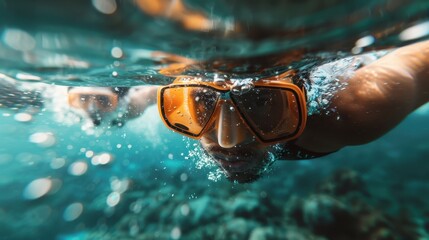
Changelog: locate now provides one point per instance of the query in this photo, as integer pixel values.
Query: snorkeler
(244, 128)
(112, 106)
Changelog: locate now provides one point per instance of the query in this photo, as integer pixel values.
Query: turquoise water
(61, 180)
(162, 193)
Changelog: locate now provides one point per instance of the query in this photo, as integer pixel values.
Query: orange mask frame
(196, 132)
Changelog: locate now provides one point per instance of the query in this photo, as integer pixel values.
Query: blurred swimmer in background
(111, 106)
(99, 106)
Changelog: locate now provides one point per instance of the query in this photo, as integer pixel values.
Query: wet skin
(235, 149)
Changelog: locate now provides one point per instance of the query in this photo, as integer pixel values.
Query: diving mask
(273, 110)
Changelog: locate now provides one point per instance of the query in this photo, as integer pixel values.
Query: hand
(140, 98)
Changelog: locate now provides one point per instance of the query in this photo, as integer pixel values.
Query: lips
(234, 166)
(233, 154)
(236, 160)
(239, 171)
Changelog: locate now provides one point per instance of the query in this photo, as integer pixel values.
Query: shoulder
(387, 90)
(372, 100)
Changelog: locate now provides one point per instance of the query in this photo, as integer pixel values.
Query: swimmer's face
(234, 148)
(95, 102)
(236, 127)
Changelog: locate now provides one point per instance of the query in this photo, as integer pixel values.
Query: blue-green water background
(393, 168)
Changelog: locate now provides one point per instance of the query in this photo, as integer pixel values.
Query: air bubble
(73, 211)
(105, 6)
(116, 52)
(183, 177)
(23, 117)
(37, 188)
(176, 233)
(113, 199)
(18, 40)
(184, 209)
(43, 139)
(365, 41)
(218, 81)
(78, 168)
(414, 32)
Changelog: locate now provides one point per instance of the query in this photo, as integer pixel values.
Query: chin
(243, 163)
(239, 168)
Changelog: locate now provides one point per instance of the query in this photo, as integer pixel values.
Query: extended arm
(140, 98)
(376, 98)
(382, 94)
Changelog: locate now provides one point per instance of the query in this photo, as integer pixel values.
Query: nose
(93, 111)
(231, 130)
(92, 106)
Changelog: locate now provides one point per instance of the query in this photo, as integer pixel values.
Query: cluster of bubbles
(327, 79)
(118, 187)
(202, 160)
(268, 164)
(242, 86)
(46, 186)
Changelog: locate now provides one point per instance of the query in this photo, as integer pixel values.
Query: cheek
(207, 143)
(210, 136)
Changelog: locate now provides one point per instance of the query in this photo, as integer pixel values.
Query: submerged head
(237, 125)
(95, 102)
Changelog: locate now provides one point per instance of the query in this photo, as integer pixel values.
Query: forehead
(218, 82)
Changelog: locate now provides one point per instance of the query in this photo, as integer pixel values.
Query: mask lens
(188, 109)
(272, 113)
(78, 100)
(103, 102)
(106, 103)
